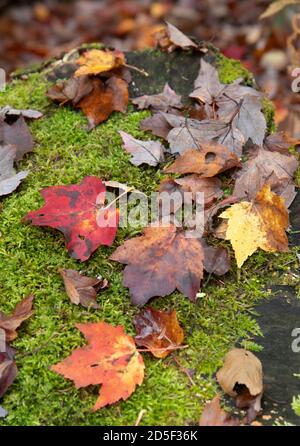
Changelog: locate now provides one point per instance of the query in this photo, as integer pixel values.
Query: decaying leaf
(160, 261)
(157, 124)
(8, 369)
(164, 101)
(82, 289)
(78, 212)
(10, 323)
(216, 259)
(171, 38)
(272, 167)
(210, 187)
(242, 377)
(110, 358)
(9, 179)
(259, 224)
(158, 331)
(214, 415)
(72, 90)
(17, 134)
(239, 104)
(13, 112)
(143, 152)
(210, 160)
(98, 61)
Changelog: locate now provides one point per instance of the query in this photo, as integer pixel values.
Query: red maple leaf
(78, 212)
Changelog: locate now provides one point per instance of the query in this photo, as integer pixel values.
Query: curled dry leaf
(78, 212)
(259, 224)
(277, 6)
(160, 261)
(210, 160)
(9, 179)
(143, 152)
(82, 289)
(157, 124)
(13, 112)
(110, 358)
(72, 90)
(242, 377)
(158, 331)
(214, 415)
(10, 323)
(163, 101)
(98, 61)
(171, 38)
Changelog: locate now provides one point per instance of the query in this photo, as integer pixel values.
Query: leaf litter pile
(217, 143)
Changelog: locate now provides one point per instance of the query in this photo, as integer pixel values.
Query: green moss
(231, 69)
(30, 257)
(269, 112)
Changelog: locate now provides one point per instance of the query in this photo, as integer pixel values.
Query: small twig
(162, 349)
(116, 199)
(139, 70)
(140, 416)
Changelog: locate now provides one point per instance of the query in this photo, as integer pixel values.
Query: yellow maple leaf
(99, 61)
(260, 224)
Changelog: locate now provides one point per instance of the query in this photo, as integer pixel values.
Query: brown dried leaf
(158, 331)
(164, 101)
(82, 289)
(148, 152)
(211, 187)
(214, 415)
(22, 311)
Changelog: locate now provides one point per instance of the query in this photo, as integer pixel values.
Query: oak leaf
(259, 224)
(78, 212)
(110, 358)
(160, 261)
(98, 61)
(82, 289)
(158, 331)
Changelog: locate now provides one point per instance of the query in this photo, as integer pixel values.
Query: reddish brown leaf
(216, 260)
(72, 90)
(78, 212)
(110, 358)
(82, 289)
(171, 38)
(211, 187)
(207, 162)
(158, 331)
(157, 124)
(22, 311)
(160, 261)
(214, 415)
(8, 369)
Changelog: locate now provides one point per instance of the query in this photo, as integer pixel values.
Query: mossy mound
(31, 256)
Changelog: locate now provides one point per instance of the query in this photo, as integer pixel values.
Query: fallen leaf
(216, 259)
(210, 160)
(28, 114)
(105, 98)
(143, 152)
(82, 289)
(214, 415)
(242, 378)
(110, 358)
(210, 187)
(259, 224)
(276, 7)
(9, 324)
(157, 124)
(160, 261)
(9, 179)
(8, 369)
(164, 101)
(158, 331)
(98, 61)
(171, 38)
(207, 85)
(123, 187)
(78, 212)
(279, 142)
(16, 134)
(72, 90)
(272, 167)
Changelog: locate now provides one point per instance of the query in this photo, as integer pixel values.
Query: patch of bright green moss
(31, 256)
(231, 69)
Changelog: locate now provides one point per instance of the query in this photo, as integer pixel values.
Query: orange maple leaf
(110, 359)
